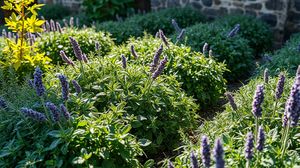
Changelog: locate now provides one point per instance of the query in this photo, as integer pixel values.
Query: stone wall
(74, 5)
(277, 13)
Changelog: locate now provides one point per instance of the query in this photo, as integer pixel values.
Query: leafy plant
(233, 51)
(88, 138)
(53, 42)
(257, 32)
(233, 125)
(201, 77)
(18, 53)
(159, 107)
(284, 59)
(108, 9)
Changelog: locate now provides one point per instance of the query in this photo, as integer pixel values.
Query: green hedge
(234, 52)
(159, 108)
(151, 23)
(285, 59)
(200, 77)
(256, 31)
(52, 43)
(232, 126)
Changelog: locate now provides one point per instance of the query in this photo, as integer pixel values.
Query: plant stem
(22, 31)
(248, 163)
(285, 139)
(256, 129)
(275, 108)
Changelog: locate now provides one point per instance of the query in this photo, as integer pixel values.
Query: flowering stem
(275, 108)
(248, 163)
(81, 68)
(286, 135)
(45, 109)
(256, 129)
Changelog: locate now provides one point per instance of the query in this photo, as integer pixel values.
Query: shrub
(284, 59)
(54, 11)
(90, 137)
(151, 23)
(162, 19)
(52, 43)
(106, 10)
(232, 126)
(200, 77)
(121, 31)
(234, 51)
(160, 107)
(257, 32)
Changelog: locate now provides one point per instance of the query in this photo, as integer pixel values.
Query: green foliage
(201, 77)
(151, 23)
(234, 51)
(284, 59)
(160, 108)
(54, 11)
(232, 126)
(90, 138)
(107, 9)
(53, 42)
(121, 31)
(162, 19)
(18, 54)
(257, 32)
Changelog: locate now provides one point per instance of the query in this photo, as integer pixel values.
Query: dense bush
(121, 31)
(234, 51)
(284, 59)
(232, 126)
(108, 9)
(159, 107)
(54, 11)
(200, 77)
(162, 19)
(257, 32)
(151, 23)
(52, 43)
(88, 138)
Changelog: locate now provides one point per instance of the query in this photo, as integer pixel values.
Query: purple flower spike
(58, 27)
(64, 86)
(231, 100)
(133, 52)
(194, 161)
(175, 25)
(52, 25)
(163, 38)
(84, 58)
(34, 114)
(280, 86)
(155, 62)
(54, 111)
(48, 27)
(124, 61)
(205, 152)
(157, 35)
(160, 68)
(65, 112)
(66, 59)
(71, 22)
(65, 23)
(76, 48)
(249, 146)
(4, 33)
(170, 165)
(210, 53)
(181, 35)
(205, 48)
(3, 104)
(257, 101)
(219, 154)
(38, 83)
(261, 139)
(97, 46)
(76, 86)
(298, 71)
(266, 75)
(292, 107)
(234, 31)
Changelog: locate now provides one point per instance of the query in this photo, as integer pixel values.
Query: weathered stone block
(236, 11)
(207, 3)
(270, 19)
(297, 5)
(255, 6)
(217, 2)
(197, 5)
(274, 4)
(251, 13)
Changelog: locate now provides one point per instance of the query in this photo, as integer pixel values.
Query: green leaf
(126, 129)
(78, 160)
(82, 123)
(144, 142)
(149, 163)
(54, 144)
(54, 133)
